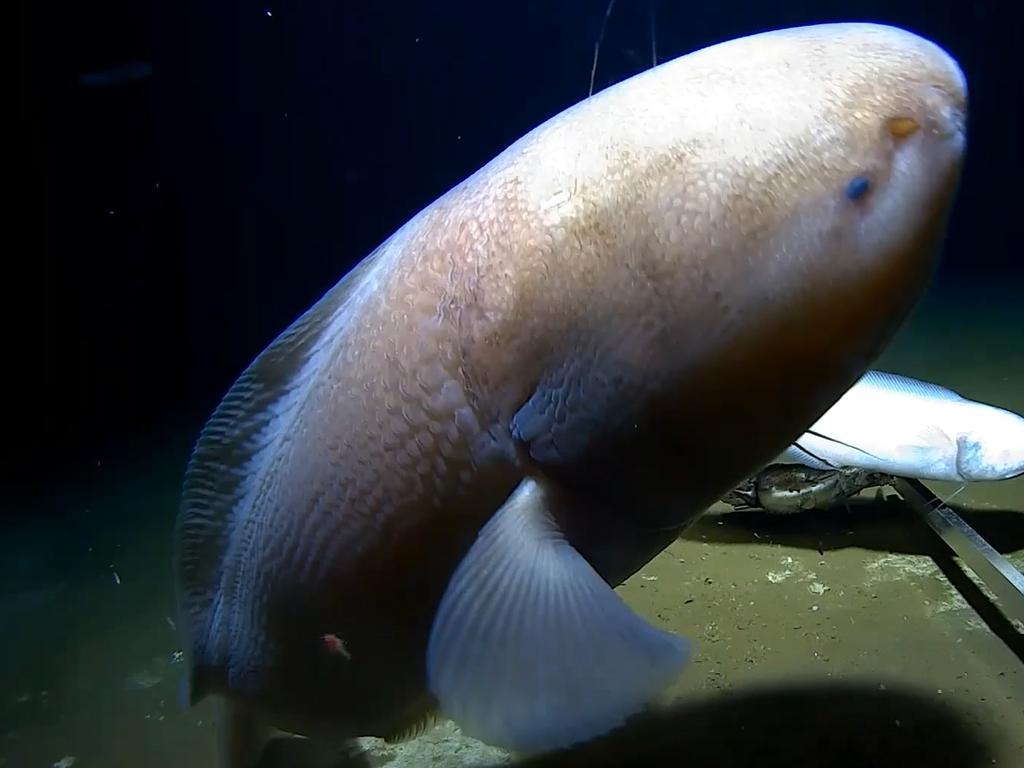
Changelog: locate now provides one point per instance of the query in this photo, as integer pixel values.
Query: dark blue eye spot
(858, 187)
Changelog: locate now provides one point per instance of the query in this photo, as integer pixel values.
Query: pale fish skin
(902, 426)
(417, 501)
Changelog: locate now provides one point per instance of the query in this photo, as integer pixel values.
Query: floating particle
(335, 644)
(143, 681)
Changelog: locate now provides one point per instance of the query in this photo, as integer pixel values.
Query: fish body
(902, 426)
(449, 461)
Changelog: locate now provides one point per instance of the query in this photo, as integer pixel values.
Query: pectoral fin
(531, 649)
(934, 439)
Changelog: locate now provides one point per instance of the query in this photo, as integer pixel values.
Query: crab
(790, 488)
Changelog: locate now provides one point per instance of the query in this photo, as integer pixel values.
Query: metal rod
(998, 573)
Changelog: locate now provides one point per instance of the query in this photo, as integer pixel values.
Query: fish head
(993, 447)
(824, 162)
(842, 192)
(879, 167)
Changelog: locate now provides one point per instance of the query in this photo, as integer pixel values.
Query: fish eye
(858, 187)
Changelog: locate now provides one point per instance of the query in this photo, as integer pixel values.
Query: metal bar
(998, 573)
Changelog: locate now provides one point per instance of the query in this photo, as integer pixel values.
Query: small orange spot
(901, 127)
(335, 644)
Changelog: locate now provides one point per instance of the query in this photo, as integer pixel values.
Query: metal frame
(998, 573)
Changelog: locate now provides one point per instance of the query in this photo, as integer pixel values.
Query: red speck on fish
(335, 644)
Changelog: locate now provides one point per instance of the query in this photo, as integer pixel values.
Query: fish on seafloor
(447, 464)
(887, 426)
(896, 425)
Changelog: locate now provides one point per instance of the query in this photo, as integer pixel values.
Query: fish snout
(935, 105)
(933, 80)
(945, 101)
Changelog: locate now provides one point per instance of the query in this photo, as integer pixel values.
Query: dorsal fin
(239, 429)
(904, 384)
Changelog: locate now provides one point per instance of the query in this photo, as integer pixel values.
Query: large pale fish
(419, 497)
(901, 426)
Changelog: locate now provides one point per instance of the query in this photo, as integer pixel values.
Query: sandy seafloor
(847, 638)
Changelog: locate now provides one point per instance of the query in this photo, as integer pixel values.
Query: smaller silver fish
(909, 428)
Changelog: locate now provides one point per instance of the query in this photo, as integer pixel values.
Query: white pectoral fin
(934, 440)
(531, 650)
